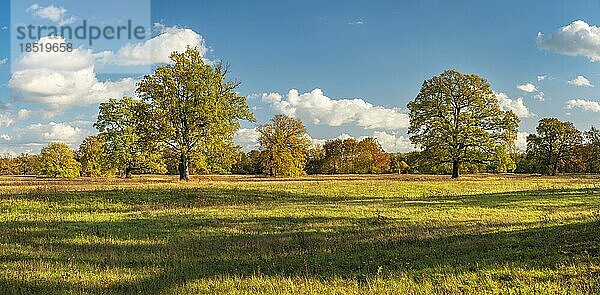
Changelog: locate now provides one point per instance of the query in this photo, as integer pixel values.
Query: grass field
(318, 235)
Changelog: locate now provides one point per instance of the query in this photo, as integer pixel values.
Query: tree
(314, 159)
(58, 160)
(340, 156)
(91, 157)
(28, 164)
(554, 144)
(192, 108)
(371, 157)
(456, 119)
(592, 150)
(353, 156)
(126, 148)
(285, 145)
(8, 165)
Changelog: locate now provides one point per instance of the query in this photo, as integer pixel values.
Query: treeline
(187, 113)
(557, 147)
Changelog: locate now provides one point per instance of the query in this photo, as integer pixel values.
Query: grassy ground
(325, 235)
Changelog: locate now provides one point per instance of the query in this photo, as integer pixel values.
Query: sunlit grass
(321, 234)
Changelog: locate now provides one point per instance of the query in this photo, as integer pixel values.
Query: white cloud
(359, 22)
(575, 39)
(583, 104)
(542, 78)
(521, 141)
(247, 138)
(515, 105)
(63, 78)
(320, 142)
(6, 119)
(527, 87)
(540, 96)
(155, 50)
(580, 81)
(5, 137)
(23, 114)
(393, 143)
(53, 13)
(317, 108)
(39, 134)
(3, 61)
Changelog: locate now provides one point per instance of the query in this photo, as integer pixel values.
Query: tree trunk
(455, 166)
(554, 168)
(184, 173)
(128, 171)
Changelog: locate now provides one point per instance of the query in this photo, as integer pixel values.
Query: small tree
(58, 160)
(554, 144)
(592, 150)
(125, 147)
(91, 157)
(285, 145)
(371, 157)
(8, 165)
(28, 164)
(456, 119)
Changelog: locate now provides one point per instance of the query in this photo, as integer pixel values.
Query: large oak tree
(192, 107)
(456, 119)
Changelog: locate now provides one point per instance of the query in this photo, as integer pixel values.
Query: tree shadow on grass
(198, 197)
(184, 249)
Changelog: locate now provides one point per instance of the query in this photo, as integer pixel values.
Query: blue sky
(367, 58)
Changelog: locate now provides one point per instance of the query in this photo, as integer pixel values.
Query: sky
(346, 68)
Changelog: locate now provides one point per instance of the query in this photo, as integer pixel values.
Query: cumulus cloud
(527, 87)
(57, 14)
(580, 81)
(576, 39)
(515, 105)
(3, 61)
(5, 137)
(40, 134)
(317, 108)
(63, 78)
(521, 141)
(155, 50)
(320, 142)
(247, 138)
(583, 104)
(542, 78)
(393, 143)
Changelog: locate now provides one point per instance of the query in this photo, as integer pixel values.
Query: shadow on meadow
(185, 248)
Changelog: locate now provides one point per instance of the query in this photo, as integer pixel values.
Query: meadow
(390, 234)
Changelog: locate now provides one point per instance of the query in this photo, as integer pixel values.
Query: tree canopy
(58, 160)
(354, 156)
(285, 144)
(456, 119)
(555, 143)
(91, 157)
(125, 147)
(192, 108)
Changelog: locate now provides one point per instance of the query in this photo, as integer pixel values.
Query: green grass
(319, 235)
